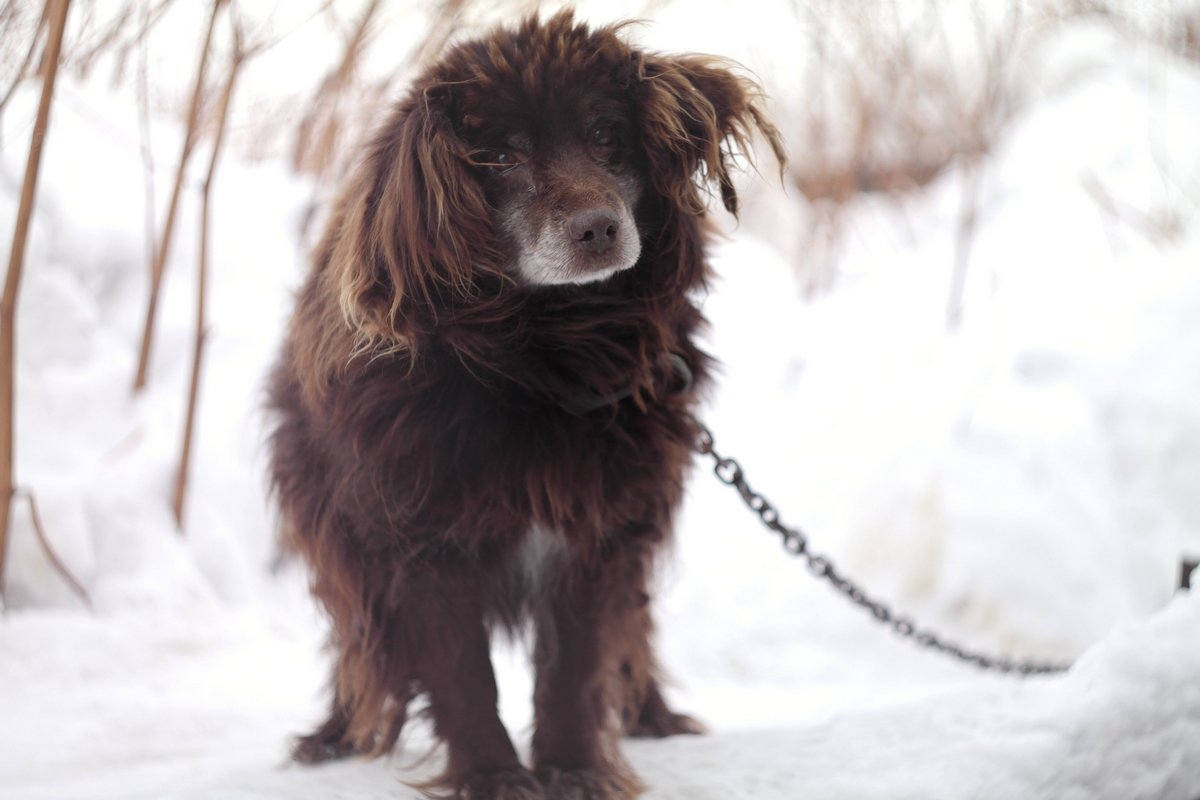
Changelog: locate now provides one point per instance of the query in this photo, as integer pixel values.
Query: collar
(583, 400)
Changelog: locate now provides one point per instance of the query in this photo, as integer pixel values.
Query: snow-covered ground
(1026, 484)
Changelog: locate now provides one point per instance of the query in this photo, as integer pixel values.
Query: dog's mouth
(586, 247)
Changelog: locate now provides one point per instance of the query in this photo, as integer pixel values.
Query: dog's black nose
(595, 230)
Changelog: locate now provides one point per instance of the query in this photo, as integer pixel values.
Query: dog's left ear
(697, 113)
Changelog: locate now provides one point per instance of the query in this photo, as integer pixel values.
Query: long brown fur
(421, 434)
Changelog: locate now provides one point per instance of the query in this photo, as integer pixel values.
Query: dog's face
(552, 153)
(563, 177)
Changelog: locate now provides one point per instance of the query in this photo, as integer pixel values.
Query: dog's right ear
(411, 229)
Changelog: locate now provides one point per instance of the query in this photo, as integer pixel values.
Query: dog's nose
(595, 230)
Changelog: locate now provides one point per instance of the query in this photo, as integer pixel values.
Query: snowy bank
(200, 706)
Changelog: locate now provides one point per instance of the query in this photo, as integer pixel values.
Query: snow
(1024, 484)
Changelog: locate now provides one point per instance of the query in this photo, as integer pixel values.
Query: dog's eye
(602, 140)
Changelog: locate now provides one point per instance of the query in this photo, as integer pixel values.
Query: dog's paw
(506, 784)
(665, 722)
(588, 784)
(319, 747)
(656, 719)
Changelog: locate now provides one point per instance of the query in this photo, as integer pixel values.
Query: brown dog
(484, 398)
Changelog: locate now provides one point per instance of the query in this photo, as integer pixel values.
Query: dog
(484, 399)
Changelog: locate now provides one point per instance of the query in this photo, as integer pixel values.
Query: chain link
(729, 472)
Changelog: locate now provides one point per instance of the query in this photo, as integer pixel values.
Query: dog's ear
(697, 113)
(411, 230)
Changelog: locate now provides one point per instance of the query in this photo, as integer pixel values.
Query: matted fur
(421, 437)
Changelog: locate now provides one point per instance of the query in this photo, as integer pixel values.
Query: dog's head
(551, 132)
(548, 154)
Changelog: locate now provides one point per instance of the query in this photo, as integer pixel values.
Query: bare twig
(982, 118)
(113, 37)
(23, 69)
(143, 100)
(1159, 226)
(48, 549)
(149, 17)
(181, 476)
(261, 43)
(318, 130)
(85, 59)
(164, 244)
(445, 22)
(56, 13)
(968, 218)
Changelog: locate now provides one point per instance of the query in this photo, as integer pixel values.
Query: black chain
(729, 472)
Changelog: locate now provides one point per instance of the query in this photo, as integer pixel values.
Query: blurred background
(960, 334)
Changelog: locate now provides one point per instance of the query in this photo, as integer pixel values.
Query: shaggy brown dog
(483, 400)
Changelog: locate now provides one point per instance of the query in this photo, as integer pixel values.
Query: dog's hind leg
(330, 741)
(644, 710)
(339, 737)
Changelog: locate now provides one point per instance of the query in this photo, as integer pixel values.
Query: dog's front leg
(582, 635)
(443, 625)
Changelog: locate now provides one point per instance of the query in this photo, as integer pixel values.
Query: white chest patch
(538, 557)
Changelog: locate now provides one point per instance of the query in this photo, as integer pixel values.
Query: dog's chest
(542, 552)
